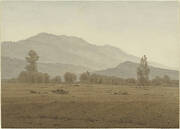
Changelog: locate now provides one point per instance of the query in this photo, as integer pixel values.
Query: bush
(70, 77)
(84, 77)
(33, 77)
(56, 79)
(61, 91)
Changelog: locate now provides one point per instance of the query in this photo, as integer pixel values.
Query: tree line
(88, 78)
(32, 75)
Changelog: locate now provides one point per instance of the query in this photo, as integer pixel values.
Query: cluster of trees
(88, 78)
(143, 76)
(164, 81)
(31, 75)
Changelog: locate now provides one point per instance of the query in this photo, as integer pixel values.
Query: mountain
(11, 67)
(67, 50)
(128, 70)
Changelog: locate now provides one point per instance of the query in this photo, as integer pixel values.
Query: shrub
(70, 77)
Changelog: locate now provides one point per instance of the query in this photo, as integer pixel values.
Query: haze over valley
(60, 54)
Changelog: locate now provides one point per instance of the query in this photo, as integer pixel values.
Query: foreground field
(51, 105)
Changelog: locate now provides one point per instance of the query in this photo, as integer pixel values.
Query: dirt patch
(60, 91)
(76, 84)
(121, 93)
(34, 92)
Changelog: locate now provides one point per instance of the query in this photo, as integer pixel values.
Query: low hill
(128, 70)
(11, 67)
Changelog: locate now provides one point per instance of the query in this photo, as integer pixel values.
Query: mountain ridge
(68, 50)
(12, 67)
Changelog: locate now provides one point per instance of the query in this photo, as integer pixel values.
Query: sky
(138, 28)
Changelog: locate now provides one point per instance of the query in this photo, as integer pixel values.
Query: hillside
(128, 70)
(60, 53)
(11, 67)
(67, 50)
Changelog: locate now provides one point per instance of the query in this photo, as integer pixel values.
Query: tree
(23, 76)
(45, 78)
(39, 77)
(31, 75)
(31, 59)
(131, 81)
(143, 72)
(56, 79)
(166, 79)
(70, 77)
(157, 81)
(94, 78)
(84, 77)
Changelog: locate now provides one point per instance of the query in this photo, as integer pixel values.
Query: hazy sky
(150, 28)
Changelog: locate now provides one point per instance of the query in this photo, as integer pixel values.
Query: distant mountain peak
(43, 35)
(48, 36)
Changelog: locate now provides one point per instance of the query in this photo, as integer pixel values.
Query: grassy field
(25, 105)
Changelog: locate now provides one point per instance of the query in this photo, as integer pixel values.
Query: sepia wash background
(107, 39)
(138, 28)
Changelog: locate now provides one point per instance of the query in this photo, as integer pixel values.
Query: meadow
(88, 105)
